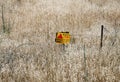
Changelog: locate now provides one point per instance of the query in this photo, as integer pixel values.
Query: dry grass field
(28, 52)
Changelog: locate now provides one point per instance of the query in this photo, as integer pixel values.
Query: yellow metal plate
(62, 37)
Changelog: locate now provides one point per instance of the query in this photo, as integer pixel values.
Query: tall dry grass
(29, 54)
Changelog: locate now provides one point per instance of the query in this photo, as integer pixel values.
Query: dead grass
(29, 53)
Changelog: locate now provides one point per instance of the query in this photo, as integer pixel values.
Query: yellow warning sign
(62, 37)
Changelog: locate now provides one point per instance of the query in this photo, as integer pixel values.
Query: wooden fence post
(3, 21)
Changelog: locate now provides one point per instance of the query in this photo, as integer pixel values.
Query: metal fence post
(101, 40)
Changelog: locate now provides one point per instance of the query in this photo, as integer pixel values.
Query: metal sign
(62, 37)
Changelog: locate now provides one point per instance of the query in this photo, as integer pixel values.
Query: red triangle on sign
(60, 36)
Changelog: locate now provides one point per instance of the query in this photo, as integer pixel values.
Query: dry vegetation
(28, 52)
